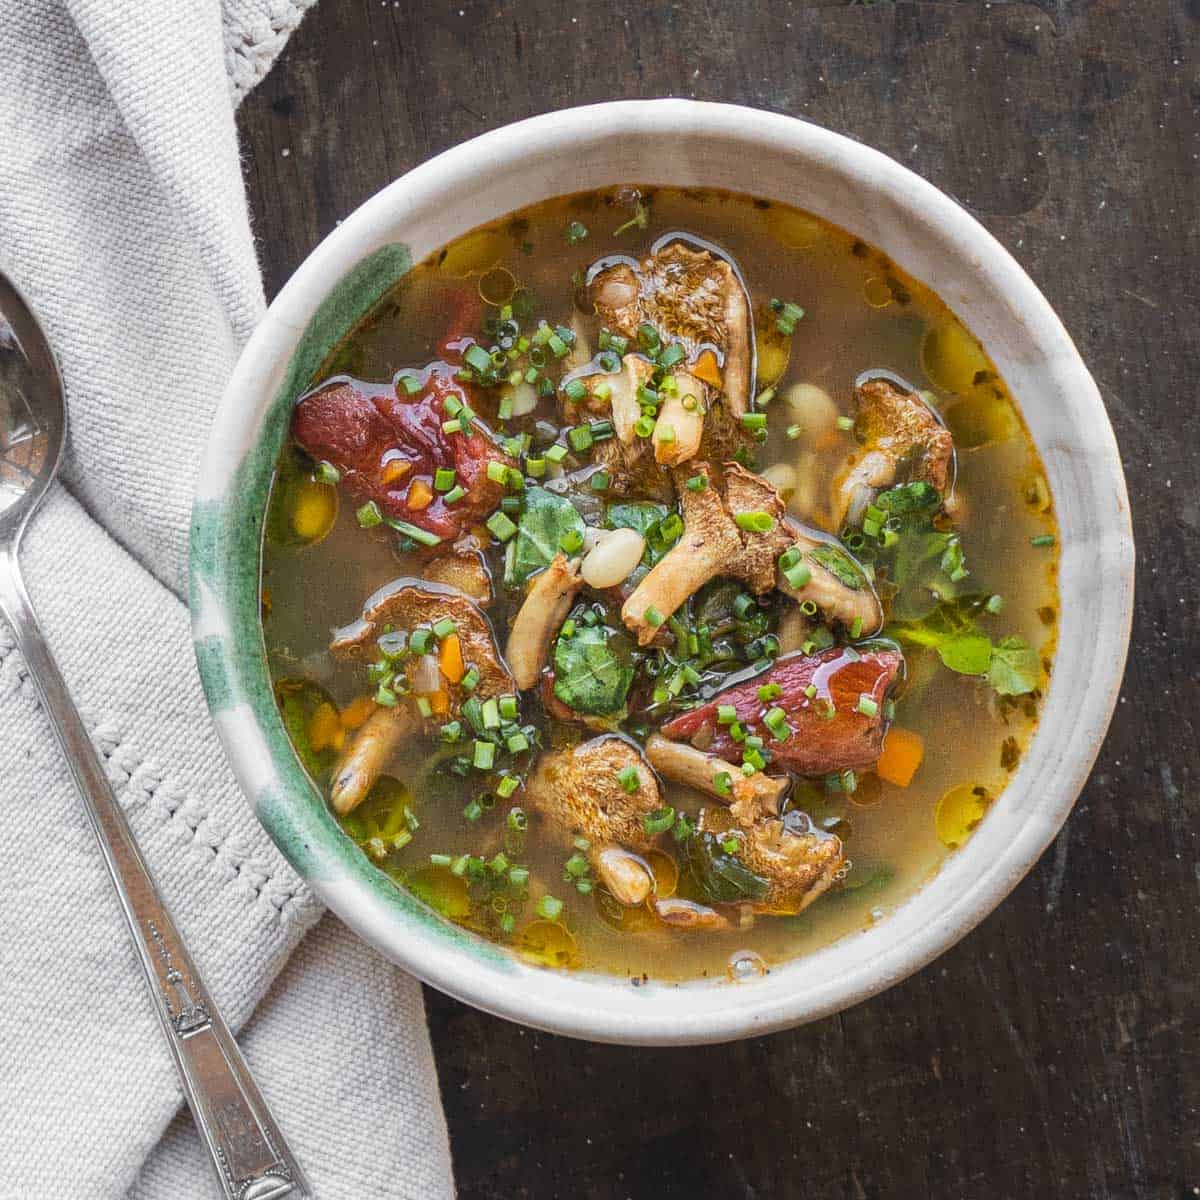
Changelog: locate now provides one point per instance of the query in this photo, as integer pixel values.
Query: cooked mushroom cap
(578, 789)
(408, 604)
(899, 433)
(798, 861)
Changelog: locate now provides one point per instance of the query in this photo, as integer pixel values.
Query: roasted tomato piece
(389, 447)
(838, 727)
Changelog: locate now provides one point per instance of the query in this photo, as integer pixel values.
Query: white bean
(782, 478)
(814, 411)
(613, 558)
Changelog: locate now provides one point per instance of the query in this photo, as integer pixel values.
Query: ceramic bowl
(685, 144)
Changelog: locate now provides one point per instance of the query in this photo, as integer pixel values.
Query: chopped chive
(326, 472)
(508, 708)
(452, 426)
(1042, 539)
(415, 532)
(643, 426)
(797, 576)
(444, 628)
(478, 358)
(755, 522)
(754, 420)
(753, 759)
(484, 756)
(490, 711)
(726, 714)
(470, 681)
(516, 820)
(994, 603)
(776, 722)
(410, 384)
(600, 481)
(793, 432)
(518, 876)
(500, 526)
(723, 783)
(856, 628)
(441, 860)
(455, 494)
(443, 479)
(697, 483)
(868, 706)
(765, 397)
(580, 438)
(420, 640)
(497, 471)
(629, 779)
(666, 433)
(575, 389)
(658, 821)
(653, 617)
(769, 692)
(556, 454)
(536, 467)
(571, 541)
(576, 866)
(424, 707)
(507, 786)
(811, 691)
(385, 697)
(575, 233)
(451, 732)
(473, 811)
(845, 423)
(369, 515)
(549, 907)
(517, 744)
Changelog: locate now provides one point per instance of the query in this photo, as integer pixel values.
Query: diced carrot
(357, 711)
(451, 662)
(419, 495)
(439, 704)
(707, 369)
(902, 753)
(324, 728)
(394, 470)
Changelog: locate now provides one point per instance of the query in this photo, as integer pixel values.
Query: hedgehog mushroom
(738, 527)
(601, 790)
(401, 607)
(900, 435)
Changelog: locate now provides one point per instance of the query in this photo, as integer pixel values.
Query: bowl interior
(679, 143)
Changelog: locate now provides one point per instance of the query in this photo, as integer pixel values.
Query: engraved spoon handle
(249, 1153)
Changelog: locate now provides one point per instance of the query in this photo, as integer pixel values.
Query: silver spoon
(251, 1158)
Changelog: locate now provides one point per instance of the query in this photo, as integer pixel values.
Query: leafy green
(546, 519)
(1014, 669)
(1011, 666)
(589, 676)
(644, 517)
(918, 496)
(839, 564)
(721, 877)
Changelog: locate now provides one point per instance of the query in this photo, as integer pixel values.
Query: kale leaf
(546, 519)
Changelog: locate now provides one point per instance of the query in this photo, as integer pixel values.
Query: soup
(659, 583)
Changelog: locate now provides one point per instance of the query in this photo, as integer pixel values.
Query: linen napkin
(123, 218)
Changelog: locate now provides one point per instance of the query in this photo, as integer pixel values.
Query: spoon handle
(251, 1158)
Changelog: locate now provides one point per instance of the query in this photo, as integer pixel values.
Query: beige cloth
(123, 218)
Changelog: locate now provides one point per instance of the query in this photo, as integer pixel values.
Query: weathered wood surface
(1054, 1051)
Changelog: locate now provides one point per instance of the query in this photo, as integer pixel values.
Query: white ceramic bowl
(680, 143)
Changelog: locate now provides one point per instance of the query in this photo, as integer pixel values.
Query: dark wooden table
(1054, 1051)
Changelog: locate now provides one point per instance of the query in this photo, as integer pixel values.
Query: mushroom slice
(402, 606)
(687, 914)
(688, 295)
(713, 543)
(376, 740)
(709, 546)
(752, 796)
(462, 567)
(580, 790)
(545, 607)
(797, 861)
(901, 438)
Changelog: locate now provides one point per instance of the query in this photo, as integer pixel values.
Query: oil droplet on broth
(745, 964)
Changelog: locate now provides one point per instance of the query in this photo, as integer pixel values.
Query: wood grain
(1054, 1051)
